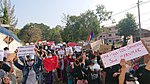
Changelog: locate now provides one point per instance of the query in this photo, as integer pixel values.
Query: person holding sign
(29, 69)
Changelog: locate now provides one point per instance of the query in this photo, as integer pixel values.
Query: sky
(50, 12)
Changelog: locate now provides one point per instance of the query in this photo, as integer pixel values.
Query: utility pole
(138, 5)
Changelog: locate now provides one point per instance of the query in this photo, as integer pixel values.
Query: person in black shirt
(5, 67)
(112, 74)
(145, 74)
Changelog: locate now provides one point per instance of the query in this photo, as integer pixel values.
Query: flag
(91, 36)
(50, 63)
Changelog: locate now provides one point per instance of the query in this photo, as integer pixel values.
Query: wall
(12, 46)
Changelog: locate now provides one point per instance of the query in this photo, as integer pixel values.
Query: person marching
(29, 69)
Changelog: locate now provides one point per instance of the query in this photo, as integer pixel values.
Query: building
(144, 33)
(110, 34)
(8, 39)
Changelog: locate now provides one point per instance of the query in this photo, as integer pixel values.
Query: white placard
(95, 45)
(128, 52)
(78, 48)
(1, 55)
(61, 52)
(69, 49)
(24, 50)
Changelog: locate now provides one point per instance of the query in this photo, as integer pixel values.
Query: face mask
(92, 68)
(49, 56)
(95, 61)
(6, 52)
(74, 57)
(30, 63)
(46, 47)
(87, 58)
(130, 82)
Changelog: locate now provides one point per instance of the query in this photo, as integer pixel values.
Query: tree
(44, 28)
(79, 27)
(16, 31)
(30, 33)
(34, 31)
(127, 27)
(55, 34)
(102, 13)
(7, 13)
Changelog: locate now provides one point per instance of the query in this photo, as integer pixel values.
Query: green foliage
(7, 13)
(127, 26)
(79, 27)
(102, 13)
(55, 34)
(16, 31)
(5, 16)
(44, 28)
(33, 32)
(30, 33)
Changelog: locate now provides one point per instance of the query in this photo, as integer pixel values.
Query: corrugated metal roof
(7, 32)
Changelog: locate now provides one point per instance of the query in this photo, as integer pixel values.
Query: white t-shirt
(31, 77)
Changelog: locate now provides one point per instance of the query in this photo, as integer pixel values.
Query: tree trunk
(124, 41)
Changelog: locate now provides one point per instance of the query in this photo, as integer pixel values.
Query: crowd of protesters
(71, 67)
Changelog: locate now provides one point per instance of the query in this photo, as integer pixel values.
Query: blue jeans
(70, 81)
(40, 77)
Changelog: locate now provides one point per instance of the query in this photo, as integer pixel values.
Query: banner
(104, 48)
(24, 50)
(95, 45)
(1, 55)
(128, 52)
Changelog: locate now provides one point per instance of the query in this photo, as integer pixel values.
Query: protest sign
(104, 48)
(24, 50)
(1, 55)
(78, 48)
(128, 52)
(146, 41)
(95, 45)
(86, 47)
(67, 50)
(61, 52)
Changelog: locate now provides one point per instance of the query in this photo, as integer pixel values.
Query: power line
(130, 8)
(146, 20)
(124, 11)
(145, 13)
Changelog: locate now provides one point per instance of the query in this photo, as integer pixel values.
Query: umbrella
(72, 44)
(50, 43)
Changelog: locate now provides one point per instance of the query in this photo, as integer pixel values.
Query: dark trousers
(49, 78)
